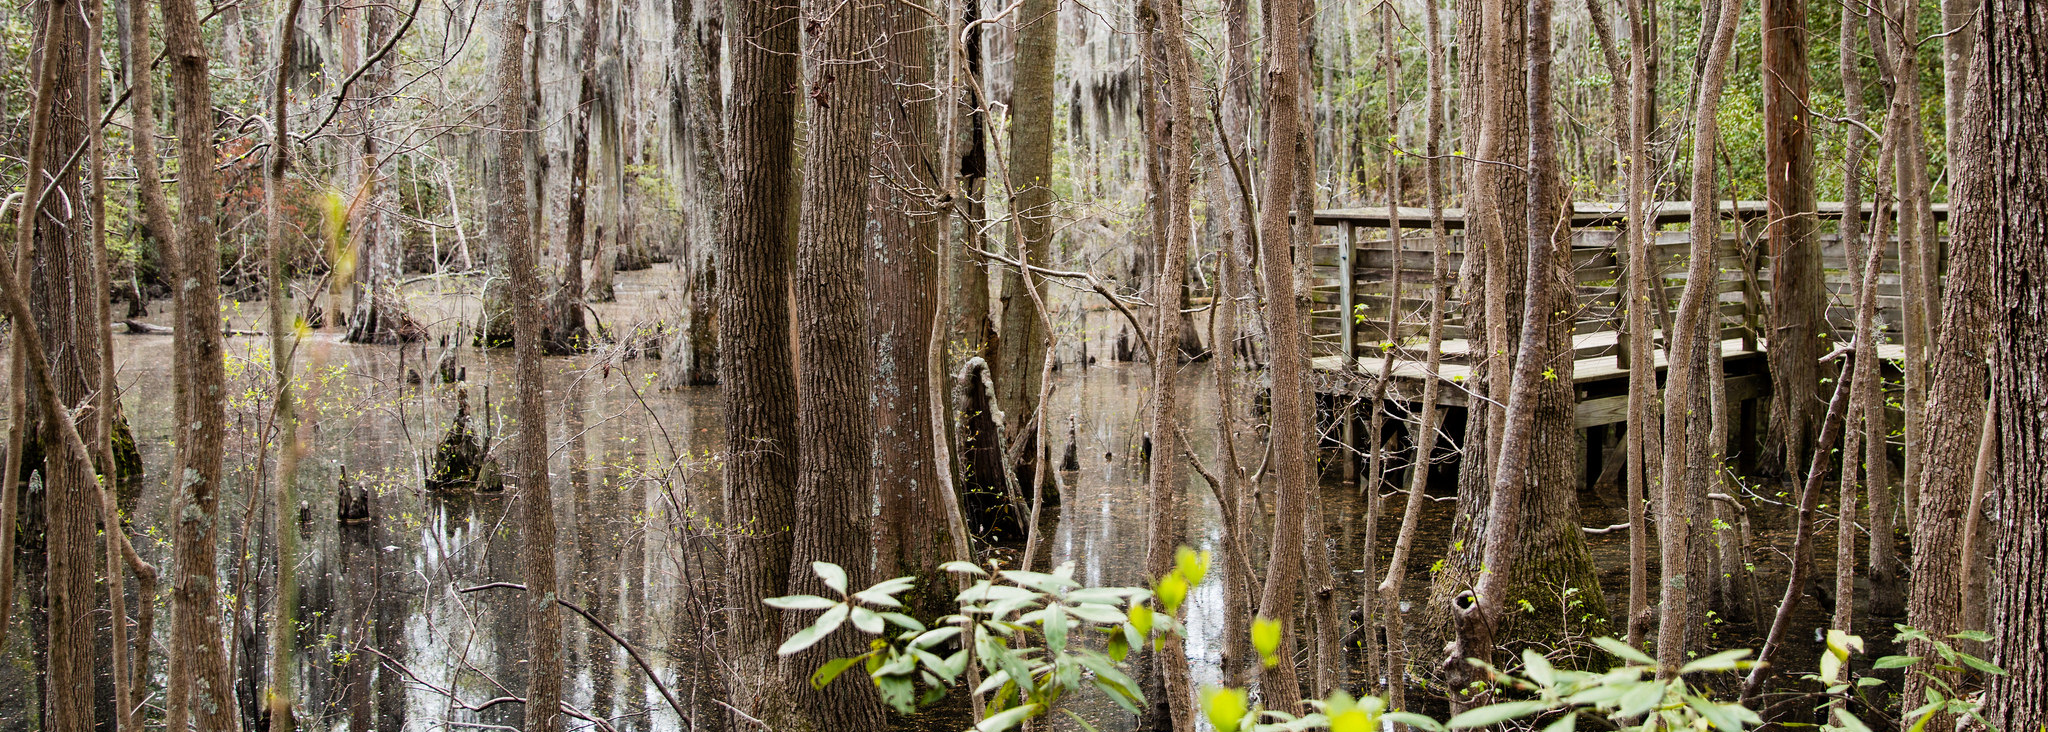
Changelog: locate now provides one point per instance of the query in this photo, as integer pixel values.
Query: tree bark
(1690, 459)
(833, 362)
(1023, 339)
(284, 599)
(198, 685)
(902, 246)
(566, 328)
(380, 314)
(692, 358)
(1955, 416)
(2013, 184)
(537, 507)
(1797, 306)
(759, 404)
(1291, 417)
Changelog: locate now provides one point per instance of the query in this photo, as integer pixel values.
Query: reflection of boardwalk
(1355, 329)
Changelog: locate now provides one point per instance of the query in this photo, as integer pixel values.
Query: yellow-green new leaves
(1225, 707)
(1266, 640)
(1839, 646)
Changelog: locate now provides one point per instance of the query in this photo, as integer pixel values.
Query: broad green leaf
(832, 574)
(1973, 635)
(1007, 718)
(1118, 646)
(959, 567)
(799, 602)
(1566, 723)
(868, 621)
(1723, 661)
(936, 636)
(1097, 614)
(1414, 720)
(1172, 591)
(831, 670)
(903, 621)
(1895, 662)
(1623, 651)
(1191, 564)
(1849, 722)
(1225, 707)
(1141, 619)
(800, 640)
(1538, 668)
(1056, 629)
(1640, 698)
(1266, 639)
(1981, 664)
(1492, 714)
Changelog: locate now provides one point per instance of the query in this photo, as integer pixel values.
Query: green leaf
(1056, 630)
(1492, 714)
(1192, 565)
(868, 621)
(1007, 718)
(1118, 647)
(935, 636)
(1642, 697)
(1723, 661)
(1414, 720)
(1981, 664)
(1097, 614)
(1849, 722)
(1889, 662)
(832, 574)
(1141, 619)
(959, 567)
(1623, 651)
(1266, 639)
(831, 670)
(1172, 591)
(1566, 723)
(1538, 668)
(1973, 635)
(798, 602)
(1225, 707)
(800, 640)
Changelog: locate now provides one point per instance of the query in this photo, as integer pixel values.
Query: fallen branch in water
(607, 630)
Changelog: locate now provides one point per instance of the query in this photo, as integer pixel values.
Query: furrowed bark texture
(1797, 290)
(759, 405)
(1690, 468)
(1292, 420)
(1021, 346)
(833, 489)
(198, 688)
(902, 242)
(537, 505)
(2015, 38)
(1954, 408)
(60, 272)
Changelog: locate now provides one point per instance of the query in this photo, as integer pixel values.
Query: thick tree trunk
(198, 685)
(284, 599)
(833, 420)
(2013, 184)
(903, 263)
(1954, 408)
(1798, 327)
(1020, 348)
(59, 247)
(759, 404)
(537, 506)
(565, 330)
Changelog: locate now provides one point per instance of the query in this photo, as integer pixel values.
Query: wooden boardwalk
(1355, 264)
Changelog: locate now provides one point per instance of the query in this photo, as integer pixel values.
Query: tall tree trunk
(57, 245)
(834, 469)
(1292, 420)
(903, 263)
(198, 685)
(968, 330)
(537, 506)
(1690, 459)
(1887, 594)
(566, 329)
(1797, 307)
(2013, 184)
(1176, 129)
(1954, 414)
(692, 357)
(1023, 339)
(754, 365)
